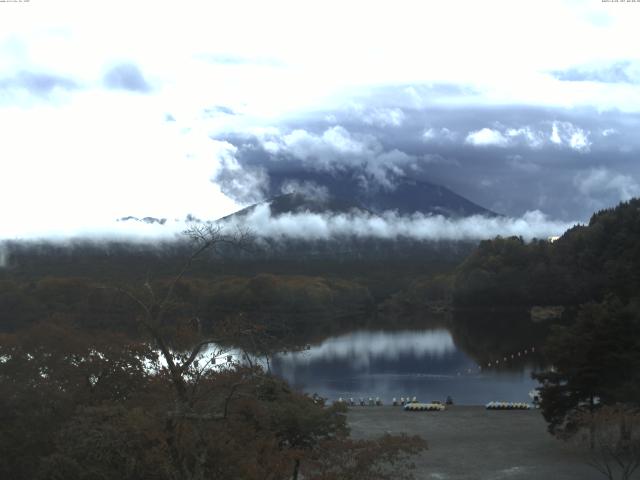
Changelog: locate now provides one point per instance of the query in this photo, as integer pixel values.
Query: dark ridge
(408, 197)
(299, 203)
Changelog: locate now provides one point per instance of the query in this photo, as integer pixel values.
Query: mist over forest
(319, 240)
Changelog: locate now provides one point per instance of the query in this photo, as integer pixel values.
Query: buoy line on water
(498, 362)
(507, 406)
(424, 407)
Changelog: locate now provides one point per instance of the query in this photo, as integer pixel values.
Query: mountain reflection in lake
(422, 363)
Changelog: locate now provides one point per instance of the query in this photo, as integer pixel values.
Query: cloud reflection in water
(422, 363)
(361, 348)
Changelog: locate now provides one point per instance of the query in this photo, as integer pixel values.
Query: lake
(429, 364)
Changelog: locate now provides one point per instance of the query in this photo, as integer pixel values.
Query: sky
(165, 109)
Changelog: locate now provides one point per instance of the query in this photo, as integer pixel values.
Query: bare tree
(186, 367)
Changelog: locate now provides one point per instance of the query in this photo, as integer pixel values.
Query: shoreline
(473, 443)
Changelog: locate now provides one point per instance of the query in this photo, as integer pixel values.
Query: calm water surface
(423, 363)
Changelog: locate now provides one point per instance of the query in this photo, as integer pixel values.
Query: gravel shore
(473, 443)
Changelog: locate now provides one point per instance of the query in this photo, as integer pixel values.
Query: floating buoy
(507, 406)
(424, 407)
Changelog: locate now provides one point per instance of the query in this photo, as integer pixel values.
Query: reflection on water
(422, 363)
(362, 348)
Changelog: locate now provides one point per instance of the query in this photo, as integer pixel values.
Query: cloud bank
(391, 226)
(510, 160)
(617, 72)
(98, 125)
(37, 83)
(126, 76)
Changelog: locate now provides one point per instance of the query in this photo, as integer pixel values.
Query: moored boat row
(507, 406)
(422, 407)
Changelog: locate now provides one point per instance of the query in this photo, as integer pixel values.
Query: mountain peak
(347, 190)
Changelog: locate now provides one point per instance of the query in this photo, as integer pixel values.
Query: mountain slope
(585, 264)
(346, 192)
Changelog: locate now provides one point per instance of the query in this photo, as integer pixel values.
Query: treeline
(125, 259)
(585, 264)
(383, 266)
(295, 306)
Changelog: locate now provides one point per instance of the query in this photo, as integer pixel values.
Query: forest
(590, 276)
(121, 378)
(110, 354)
(584, 264)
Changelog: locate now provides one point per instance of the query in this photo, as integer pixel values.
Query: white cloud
(568, 135)
(429, 134)
(307, 189)
(563, 134)
(79, 166)
(602, 184)
(391, 226)
(336, 148)
(530, 137)
(487, 137)
(580, 142)
(439, 135)
(115, 151)
(325, 149)
(246, 51)
(555, 135)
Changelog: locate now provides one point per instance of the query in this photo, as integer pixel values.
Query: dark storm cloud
(37, 83)
(126, 76)
(619, 72)
(510, 159)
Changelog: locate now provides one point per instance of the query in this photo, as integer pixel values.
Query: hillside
(585, 264)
